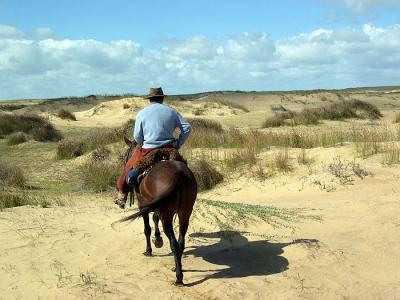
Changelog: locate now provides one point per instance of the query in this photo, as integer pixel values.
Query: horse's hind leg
(169, 231)
(183, 227)
(158, 241)
(147, 233)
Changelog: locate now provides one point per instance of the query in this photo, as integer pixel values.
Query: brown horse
(169, 188)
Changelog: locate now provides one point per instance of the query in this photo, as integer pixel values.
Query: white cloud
(361, 6)
(48, 67)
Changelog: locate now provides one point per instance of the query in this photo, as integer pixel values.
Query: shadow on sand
(243, 258)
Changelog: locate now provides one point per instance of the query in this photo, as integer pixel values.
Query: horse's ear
(127, 141)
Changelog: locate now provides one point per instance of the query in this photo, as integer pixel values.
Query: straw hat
(155, 93)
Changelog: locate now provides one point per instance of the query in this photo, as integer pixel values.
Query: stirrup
(120, 203)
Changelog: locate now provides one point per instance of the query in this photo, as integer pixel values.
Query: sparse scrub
(100, 154)
(232, 105)
(40, 129)
(100, 176)
(69, 149)
(396, 118)
(11, 175)
(303, 158)
(8, 200)
(126, 106)
(391, 154)
(206, 175)
(275, 121)
(66, 115)
(336, 111)
(281, 160)
(240, 158)
(16, 138)
(101, 137)
(345, 170)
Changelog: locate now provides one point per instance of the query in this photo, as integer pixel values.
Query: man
(154, 128)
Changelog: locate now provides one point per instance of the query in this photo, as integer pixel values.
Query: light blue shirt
(155, 125)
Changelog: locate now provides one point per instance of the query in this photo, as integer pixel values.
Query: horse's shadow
(243, 258)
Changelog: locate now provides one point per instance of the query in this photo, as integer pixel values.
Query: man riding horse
(154, 128)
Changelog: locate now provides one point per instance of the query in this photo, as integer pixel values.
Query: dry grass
(303, 158)
(281, 160)
(391, 154)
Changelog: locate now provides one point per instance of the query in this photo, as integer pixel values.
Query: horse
(169, 189)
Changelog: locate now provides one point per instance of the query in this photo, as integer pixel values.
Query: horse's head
(131, 145)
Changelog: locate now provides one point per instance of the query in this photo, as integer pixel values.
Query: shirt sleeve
(185, 128)
(138, 131)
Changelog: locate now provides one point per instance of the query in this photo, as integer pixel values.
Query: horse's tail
(157, 201)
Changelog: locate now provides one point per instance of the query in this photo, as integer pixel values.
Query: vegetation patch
(39, 128)
(66, 115)
(100, 176)
(241, 214)
(11, 175)
(8, 200)
(345, 109)
(16, 138)
(206, 175)
(69, 149)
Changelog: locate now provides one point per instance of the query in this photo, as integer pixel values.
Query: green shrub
(40, 128)
(66, 115)
(69, 149)
(206, 175)
(16, 138)
(11, 175)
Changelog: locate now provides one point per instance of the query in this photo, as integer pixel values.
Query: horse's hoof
(147, 253)
(179, 283)
(158, 242)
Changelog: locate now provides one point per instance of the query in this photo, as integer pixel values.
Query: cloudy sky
(71, 48)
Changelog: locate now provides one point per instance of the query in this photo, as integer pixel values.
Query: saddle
(145, 164)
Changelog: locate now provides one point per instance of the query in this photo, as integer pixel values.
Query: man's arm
(138, 132)
(185, 128)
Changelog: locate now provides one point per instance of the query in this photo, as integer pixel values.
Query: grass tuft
(100, 176)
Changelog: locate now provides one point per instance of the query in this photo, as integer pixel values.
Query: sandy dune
(327, 240)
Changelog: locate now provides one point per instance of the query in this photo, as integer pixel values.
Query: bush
(274, 121)
(40, 128)
(126, 106)
(206, 175)
(11, 175)
(100, 137)
(100, 154)
(99, 176)
(66, 115)
(69, 149)
(16, 138)
(8, 200)
(204, 124)
(335, 111)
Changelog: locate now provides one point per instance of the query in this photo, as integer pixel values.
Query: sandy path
(73, 253)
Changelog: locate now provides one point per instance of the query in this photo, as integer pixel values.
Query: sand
(342, 243)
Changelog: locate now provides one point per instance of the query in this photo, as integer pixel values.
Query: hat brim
(153, 96)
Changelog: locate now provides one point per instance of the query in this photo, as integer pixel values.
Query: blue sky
(64, 48)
